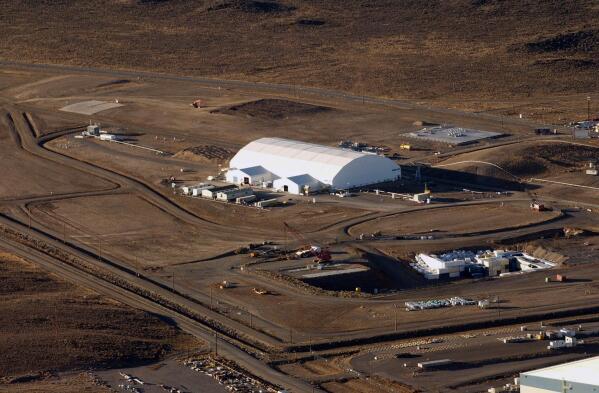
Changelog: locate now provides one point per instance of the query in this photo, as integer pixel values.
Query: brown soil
(464, 219)
(79, 383)
(371, 385)
(205, 152)
(49, 325)
(527, 159)
(456, 50)
(273, 109)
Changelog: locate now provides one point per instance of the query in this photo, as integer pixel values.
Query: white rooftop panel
(340, 168)
(582, 371)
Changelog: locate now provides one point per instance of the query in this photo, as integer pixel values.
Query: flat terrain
(507, 55)
(50, 326)
(133, 229)
(108, 210)
(72, 383)
(485, 218)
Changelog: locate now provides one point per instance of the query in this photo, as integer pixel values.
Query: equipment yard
(298, 276)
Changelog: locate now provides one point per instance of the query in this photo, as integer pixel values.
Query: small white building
(496, 265)
(211, 192)
(447, 265)
(255, 175)
(234, 193)
(300, 184)
(581, 376)
(108, 137)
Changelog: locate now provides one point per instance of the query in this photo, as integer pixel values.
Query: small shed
(211, 193)
(234, 193)
(300, 184)
(256, 175)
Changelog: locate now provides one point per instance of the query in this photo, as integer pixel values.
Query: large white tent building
(580, 376)
(297, 167)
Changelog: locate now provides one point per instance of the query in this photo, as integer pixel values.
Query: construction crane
(307, 247)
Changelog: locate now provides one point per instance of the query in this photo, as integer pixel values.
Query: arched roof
(287, 158)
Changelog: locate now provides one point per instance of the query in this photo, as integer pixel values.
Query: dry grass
(451, 50)
(48, 325)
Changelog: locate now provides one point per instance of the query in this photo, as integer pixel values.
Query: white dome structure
(338, 168)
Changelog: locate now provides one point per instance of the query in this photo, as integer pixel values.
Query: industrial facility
(577, 377)
(301, 168)
(461, 263)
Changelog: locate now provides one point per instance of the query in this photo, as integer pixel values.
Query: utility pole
(588, 107)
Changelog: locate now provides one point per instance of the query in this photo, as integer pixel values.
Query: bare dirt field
(45, 177)
(503, 52)
(50, 325)
(132, 229)
(473, 219)
(72, 383)
(188, 243)
(528, 159)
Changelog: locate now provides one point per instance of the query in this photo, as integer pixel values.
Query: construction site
(386, 262)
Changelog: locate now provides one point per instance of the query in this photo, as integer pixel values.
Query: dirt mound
(273, 109)
(205, 152)
(114, 82)
(579, 41)
(548, 158)
(48, 324)
(567, 63)
(310, 22)
(524, 166)
(252, 6)
(527, 159)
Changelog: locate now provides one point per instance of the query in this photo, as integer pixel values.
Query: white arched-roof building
(290, 162)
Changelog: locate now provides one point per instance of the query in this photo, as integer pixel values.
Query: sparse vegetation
(439, 50)
(49, 325)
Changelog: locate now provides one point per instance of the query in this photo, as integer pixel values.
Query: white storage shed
(300, 184)
(256, 175)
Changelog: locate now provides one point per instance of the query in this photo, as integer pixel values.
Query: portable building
(108, 137)
(234, 193)
(255, 175)
(422, 197)
(267, 202)
(300, 184)
(245, 199)
(211, 192)
(434, 363)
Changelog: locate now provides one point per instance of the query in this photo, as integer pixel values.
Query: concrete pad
(90, 107)
(452, 135)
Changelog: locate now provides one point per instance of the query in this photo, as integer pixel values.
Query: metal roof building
(581, 376)
(339, 168)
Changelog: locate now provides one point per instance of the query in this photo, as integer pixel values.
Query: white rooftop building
(296, 164)
(581, 376)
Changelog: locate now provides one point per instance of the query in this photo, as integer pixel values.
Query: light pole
(588, 107)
